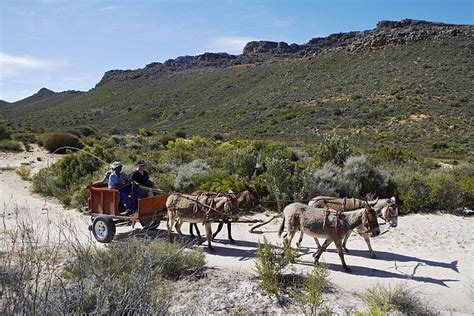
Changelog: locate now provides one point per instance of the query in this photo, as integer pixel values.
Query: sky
(68, 45)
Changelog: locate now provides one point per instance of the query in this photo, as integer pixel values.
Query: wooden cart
(103, 205)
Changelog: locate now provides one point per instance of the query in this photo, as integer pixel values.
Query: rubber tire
(103, 229)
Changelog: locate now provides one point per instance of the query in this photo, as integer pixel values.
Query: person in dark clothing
(141, 177)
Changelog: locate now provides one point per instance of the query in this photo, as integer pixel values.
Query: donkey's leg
(195, 226)
(340, 252)
(346, 237)
(289, 236)
(178, 228)
(367, 241)
(219, 228)
(298, 243)
(321, 249)
(170, 224)
(317, 242)
(229, 233)
(209, 235)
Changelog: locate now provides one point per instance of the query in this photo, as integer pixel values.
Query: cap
(141, 162)
(116, 164)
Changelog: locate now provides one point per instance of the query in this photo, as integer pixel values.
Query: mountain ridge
(414, 91)
(385, 33)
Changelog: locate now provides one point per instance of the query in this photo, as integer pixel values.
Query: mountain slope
(38, 102)
(408, 84)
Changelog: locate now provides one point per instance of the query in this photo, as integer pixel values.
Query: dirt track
(431, 254)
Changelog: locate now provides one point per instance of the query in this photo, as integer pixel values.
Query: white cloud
(111, 8)
(11, 65)
(229, 44)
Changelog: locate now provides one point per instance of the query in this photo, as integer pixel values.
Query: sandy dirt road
(431, 254)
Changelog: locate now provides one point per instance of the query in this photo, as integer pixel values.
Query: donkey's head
(369, 220)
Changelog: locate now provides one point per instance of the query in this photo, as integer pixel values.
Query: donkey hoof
(298, 245)
(374, 256)
(232, 241)
(347, 269)
(211, 249)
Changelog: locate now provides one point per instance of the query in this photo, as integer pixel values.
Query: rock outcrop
(386, 33)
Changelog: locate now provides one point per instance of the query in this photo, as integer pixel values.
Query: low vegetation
(55, 142)
(281, 173)
(130, 277)
(24, 172)
(383, 300)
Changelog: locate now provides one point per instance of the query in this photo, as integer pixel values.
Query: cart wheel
(103, 229)
(150, 224)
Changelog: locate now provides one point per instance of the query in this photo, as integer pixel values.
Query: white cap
(116, 164)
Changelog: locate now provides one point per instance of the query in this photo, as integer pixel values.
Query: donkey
(200, 209)
(329, 224)
(248, 200)
(387, 209)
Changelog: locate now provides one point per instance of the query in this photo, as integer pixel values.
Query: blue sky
(68, 45)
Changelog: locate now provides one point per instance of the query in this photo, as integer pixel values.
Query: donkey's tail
(252, 230)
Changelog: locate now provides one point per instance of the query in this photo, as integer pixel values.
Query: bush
(10, 145)
(445, 192)
(53, 142)
(72, 173)
(4, 132)
(382, 301)
(124, 278)
(25, 138)
(24, 172)
(284, 180)
(216, 180)
(184, 178)
(335, 149)
(268, 268)
(414, 194)
(310, 298)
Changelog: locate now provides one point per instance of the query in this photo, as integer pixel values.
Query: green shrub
(310, 298)
(185, 173)
(268, 268)
(72, 173)
(130, 277)
(445, 192)
(283, 179)
(25, 138)
(24, 172)
(414, 194)
(334, 148)
(10, 145)
(4, 132)
(385, 300)
(53, 142)
(216, 180)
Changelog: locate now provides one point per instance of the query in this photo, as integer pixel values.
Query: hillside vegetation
(414, 94)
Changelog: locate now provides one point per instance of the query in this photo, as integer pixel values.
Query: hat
(116, 164)
(141, 162)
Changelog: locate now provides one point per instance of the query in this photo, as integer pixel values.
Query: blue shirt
(116, 180)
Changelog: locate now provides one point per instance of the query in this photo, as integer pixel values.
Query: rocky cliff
(384, 34)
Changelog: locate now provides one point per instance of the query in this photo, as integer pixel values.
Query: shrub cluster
(280, 174)
(130, 277)
(54, 141)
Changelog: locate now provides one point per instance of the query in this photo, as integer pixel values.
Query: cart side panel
(103, 201)
(153, 204)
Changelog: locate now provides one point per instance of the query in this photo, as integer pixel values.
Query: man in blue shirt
(118, 181)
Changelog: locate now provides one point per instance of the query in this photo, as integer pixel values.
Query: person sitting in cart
(118, 181)
(141, 177)
(105, 180)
